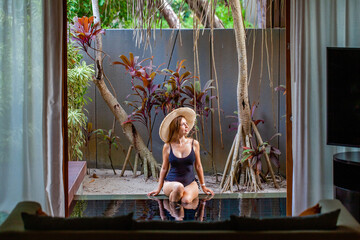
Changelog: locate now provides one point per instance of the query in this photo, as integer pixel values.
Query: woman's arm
(161, 209)
(199, 169)
(163, 171)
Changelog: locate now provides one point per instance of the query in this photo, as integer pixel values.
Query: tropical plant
(79, 75)
(254, 155)
(110, 139)
(144, 92)
(84, 30)
(76, 119)
(200, 98)
(175, 87)
(88, 132)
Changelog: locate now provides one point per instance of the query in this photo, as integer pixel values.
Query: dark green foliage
(79, 76)
(118, 13)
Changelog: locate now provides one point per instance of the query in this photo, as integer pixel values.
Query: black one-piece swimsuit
(181, 169)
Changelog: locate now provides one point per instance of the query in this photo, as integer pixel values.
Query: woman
(182, 153)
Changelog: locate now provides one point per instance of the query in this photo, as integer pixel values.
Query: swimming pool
(216, 209)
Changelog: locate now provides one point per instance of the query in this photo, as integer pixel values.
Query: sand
(107, 183)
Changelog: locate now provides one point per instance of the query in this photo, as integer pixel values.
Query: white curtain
(315, 25)
(30, 105)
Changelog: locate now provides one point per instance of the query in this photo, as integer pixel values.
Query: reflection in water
(199, 210)
(78, 210)
(112, 208)
(181, 212)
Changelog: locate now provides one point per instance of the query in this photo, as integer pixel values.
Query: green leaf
(247, 156)
(115, 145)
(267, 149)
(248, 151)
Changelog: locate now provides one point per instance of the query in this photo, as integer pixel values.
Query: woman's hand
(154, 193)
(208, 191)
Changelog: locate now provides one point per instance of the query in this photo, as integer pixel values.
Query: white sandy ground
(107, 183)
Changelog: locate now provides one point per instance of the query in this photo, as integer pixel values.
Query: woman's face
(184, 128)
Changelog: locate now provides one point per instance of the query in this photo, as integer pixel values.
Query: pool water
(199, 210)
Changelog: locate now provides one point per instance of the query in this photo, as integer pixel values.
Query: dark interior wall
(266, 60)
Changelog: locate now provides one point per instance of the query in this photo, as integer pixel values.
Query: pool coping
(162, 196)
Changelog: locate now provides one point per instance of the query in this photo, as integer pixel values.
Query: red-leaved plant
(173, 88)
(255, 153)
(84, 31)
(144, 87)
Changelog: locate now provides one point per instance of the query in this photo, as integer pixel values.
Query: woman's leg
(191, 192)
(175, 210)
(192, 205)
(174, 190)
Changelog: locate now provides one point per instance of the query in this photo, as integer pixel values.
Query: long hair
(174, 128)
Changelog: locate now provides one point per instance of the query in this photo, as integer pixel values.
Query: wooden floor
(77, 171)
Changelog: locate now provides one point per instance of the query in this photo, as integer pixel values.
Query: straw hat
(188, 113)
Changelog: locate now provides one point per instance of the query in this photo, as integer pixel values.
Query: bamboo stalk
(226, 169)
(126, 160)
(266, 155)
(252, 180)
(136, 163)
(226, 185)
(153, 171)
(235, 175)
(252, 177)
(146, 173)
(264, 177)
(235, 155)
(242, 175)
(131, 166)
(258, 179)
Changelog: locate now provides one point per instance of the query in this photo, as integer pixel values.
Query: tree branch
(202, 10)
(168, 13)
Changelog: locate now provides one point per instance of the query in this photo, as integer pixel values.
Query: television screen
(343, 96)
